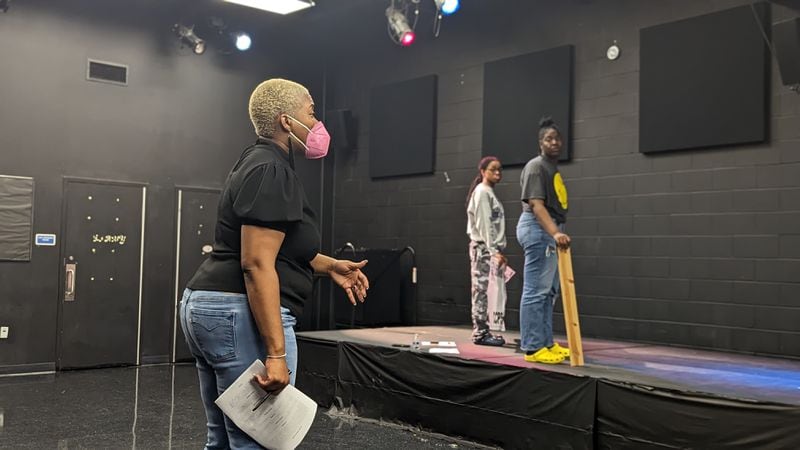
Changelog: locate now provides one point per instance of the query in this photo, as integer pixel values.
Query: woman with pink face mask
(243, 301)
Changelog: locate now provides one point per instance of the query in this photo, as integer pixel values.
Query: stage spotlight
(225, 41)
(399, 30)
(187, 36)
(4, 5)
(407, 39)
(447, 7)
(243, 41)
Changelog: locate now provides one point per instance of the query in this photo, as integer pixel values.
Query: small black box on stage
(391, 299)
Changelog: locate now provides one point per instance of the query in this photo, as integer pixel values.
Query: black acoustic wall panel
(519, 91)
(402, 134)
(704, 81)
(786, 40)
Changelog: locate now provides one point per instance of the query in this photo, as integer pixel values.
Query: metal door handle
(69, 289)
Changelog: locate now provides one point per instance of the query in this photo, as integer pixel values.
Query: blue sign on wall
(48, 240)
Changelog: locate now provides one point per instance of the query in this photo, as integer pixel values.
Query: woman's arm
(345, 273)
(544, 219)
(322, 264)
(483, 223)
(260, 248)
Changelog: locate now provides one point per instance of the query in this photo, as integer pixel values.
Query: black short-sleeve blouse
(262, 189)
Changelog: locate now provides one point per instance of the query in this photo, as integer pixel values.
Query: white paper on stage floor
(275, 421)
(445, 350)
(438, 343)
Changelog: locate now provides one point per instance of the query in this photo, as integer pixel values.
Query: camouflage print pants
(479, 270)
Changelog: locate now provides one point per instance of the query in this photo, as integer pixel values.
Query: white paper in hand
(508, 273)
(275, 421)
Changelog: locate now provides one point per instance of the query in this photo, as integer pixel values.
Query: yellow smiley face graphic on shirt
(561, 190)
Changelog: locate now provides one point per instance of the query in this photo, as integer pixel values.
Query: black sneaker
(491, 340)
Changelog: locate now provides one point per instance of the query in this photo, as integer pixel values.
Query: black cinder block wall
(181, 121)
(697, 248)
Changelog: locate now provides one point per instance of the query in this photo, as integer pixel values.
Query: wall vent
(107, 72)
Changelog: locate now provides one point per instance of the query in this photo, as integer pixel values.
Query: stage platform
(627, 395)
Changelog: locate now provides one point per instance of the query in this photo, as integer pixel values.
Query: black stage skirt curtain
(641, 417)
(500, 405)
(528, 408)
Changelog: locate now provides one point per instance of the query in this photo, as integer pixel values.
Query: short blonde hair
(272, 98)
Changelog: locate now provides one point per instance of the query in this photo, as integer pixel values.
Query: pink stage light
(407, 39)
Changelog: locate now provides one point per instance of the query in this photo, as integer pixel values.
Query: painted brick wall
(698, 248)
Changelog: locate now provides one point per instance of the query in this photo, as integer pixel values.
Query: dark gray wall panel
(16, 218)
(403, 118)
(690, 70)
(523, 88)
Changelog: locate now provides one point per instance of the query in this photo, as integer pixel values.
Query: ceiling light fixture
(447, 7)
(227, 41)
(443, 8)
(243, 41)
(399, 30)
(187, 37)
(276, 6)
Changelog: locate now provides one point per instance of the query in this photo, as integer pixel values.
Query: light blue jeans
(540, 286)
(224, 340)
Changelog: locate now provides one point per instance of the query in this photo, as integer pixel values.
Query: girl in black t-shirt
(539, 232)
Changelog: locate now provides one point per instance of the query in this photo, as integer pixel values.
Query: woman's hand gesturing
(349, 276)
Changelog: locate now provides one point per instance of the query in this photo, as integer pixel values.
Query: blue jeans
(540, 286)
(223, 337)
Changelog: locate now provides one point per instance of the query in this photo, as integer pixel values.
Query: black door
(99, 321)
(196, 219)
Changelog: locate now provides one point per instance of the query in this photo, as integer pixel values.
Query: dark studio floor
(156, 407)
(159, 406)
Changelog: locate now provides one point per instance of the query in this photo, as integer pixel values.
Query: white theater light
(276, 6)
(243, 41)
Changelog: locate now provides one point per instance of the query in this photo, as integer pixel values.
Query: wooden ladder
(570, 306)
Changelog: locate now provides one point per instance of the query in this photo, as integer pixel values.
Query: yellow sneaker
(544, 355)
(559, 350)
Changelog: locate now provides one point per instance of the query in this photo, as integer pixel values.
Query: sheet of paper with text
(275, 421)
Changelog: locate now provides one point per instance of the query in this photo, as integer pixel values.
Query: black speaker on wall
(342, 126)
(786, 40)
(392, 292)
